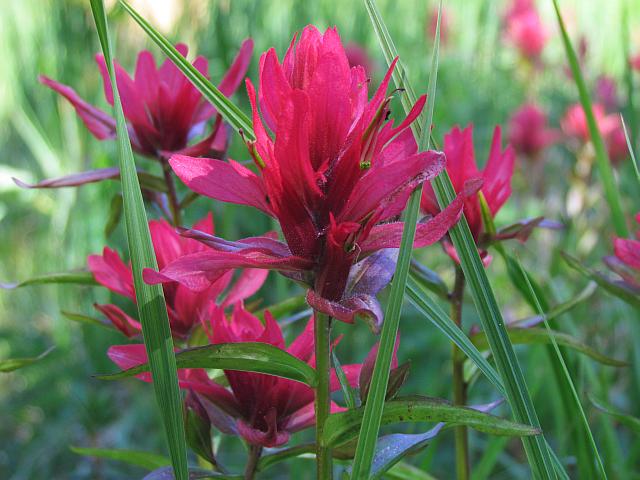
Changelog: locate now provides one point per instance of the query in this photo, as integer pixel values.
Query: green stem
(459, 385)
(322, 333)
(252, 462)
(174, 204)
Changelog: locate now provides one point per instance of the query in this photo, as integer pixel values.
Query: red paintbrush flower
(186, 308)
(574, 124)
(461, 166)
(524, 28)
(163, 109)
(336, 170)
(263, 409)
(626, 261)
(529, 134)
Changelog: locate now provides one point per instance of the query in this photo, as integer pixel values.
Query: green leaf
(576, 400)
(11, 364)
(273, 458)
(602, 159)
(429, 279)
(630, 147)
(229, 111)
(624, 418)
(349, 398)
(152, 310)
(284, 308)
(432, 311)
(115, 214)
(146, 460)
(244, 357)
(79, 278)
(406, 471)
(617, 289)
(82, 318)
(344, 426)
(165, 473)
(541, 459)
(373, 410)
(559, 309)
(540, 336)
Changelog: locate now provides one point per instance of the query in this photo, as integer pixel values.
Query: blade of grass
(432, 311)
(602, 159)
(630, 147)
(541, 459)
(582, 417)
(229, 111)
(628, 71)
(150, 299)
(373, 410)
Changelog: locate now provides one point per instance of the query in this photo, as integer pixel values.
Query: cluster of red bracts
(335, 173)
(626, 260)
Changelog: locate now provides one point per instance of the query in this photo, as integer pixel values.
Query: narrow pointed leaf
(349, 398)
(165, 473)
(540, 336)
(432, 311)
(624, 418)
(147, 180)
(12, 364)
(576, 400)
(373, 410)
(541, 459)
(229, 111)
(617, 289)
(559, 309)
(342, 427)
(146, 460)
(245, 357)
(115, 214)
(152, 309)
(86, 319)
(631, 149)
(78, 278)
(602, 159)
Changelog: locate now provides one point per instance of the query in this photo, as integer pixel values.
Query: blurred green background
(50, 406)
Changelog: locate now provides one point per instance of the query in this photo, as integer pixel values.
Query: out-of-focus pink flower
(635, 62)
(263, 409)
(186, 308)
(524, 28)
(529, 134)
(574, 125)
(462, 167)
(574, 122)
(445, 25)
(357, 56)
(626, 261)
(616, 142)
(335, 177)
(164, 110)
(607, 93)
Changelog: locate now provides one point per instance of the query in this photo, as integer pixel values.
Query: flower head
(529, 134)
(524, 28)
(462, 167)
(335, 176)
(574, 124)
(163, 109)
(626, 261)
(186, 308)
(263, 409)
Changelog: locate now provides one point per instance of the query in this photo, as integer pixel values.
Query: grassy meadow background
(56, 404)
